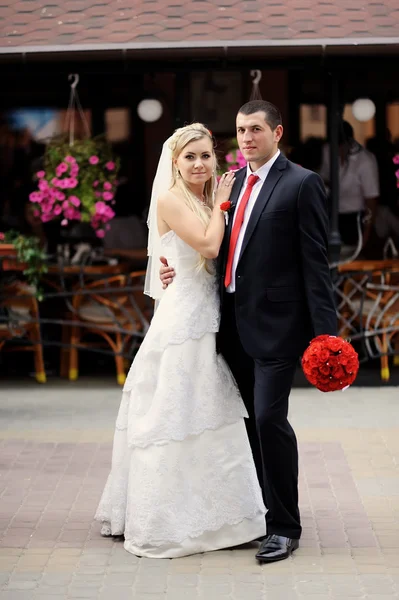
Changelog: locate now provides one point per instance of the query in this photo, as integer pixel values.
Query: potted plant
(25, 254)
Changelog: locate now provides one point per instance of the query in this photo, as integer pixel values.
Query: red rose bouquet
(330, 363)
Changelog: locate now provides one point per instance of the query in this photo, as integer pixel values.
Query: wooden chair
(382, 319)
(114, 309)
(22, 322)
(368, 301)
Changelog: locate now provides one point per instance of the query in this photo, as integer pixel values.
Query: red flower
(324, 354)
(330, 363)
(225, 206)
(334, 344)
(324, 369)
(338, 372)
(334, 361)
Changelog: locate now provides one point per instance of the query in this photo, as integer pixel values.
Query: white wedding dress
(183, 479)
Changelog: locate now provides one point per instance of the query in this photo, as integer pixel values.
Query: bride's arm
(176, 214)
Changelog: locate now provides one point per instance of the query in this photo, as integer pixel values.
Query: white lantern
(150, 110)
(363, 109)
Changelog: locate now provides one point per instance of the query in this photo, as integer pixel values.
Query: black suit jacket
(284, 294)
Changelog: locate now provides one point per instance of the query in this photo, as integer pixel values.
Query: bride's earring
(178, 176)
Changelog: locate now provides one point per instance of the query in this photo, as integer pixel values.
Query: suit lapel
(263, 198)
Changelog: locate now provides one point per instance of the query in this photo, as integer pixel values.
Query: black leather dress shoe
(276, 547)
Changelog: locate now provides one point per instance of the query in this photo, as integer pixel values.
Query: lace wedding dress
(182, 479)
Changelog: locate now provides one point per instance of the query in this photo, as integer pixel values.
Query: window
(313, 118)
(117, 124)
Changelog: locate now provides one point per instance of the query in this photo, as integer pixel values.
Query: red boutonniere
(225, 206)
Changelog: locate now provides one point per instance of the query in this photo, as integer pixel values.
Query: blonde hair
(180, 139)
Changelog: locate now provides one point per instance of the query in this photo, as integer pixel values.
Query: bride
(183, 479)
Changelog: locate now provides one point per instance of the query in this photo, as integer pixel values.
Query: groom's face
(257, 141)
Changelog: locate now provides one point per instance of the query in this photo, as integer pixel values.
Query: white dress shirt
(358, 179)
(262, 173)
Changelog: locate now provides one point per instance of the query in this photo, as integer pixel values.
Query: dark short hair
(272, 113)
(347, 131)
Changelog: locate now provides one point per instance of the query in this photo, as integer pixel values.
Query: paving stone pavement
(55, 450)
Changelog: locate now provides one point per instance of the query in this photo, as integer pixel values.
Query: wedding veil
(161, 184)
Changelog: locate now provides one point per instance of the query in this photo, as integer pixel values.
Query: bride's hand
(224, 187)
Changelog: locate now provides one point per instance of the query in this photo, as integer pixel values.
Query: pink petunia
(95, 183)
(47, 217)
(108, 196)
(40, 174)
(74, 171)
(54, 181)
(110, 165)
(107, 186)
(72, 182)
(43, 185)
(69, 212)
(57, 210)
(70, 159)
(240, 159)
(74, 200)
(33, 197)
(396, 159)
(397, 174)
(233, 168)
(47, 207)
(94, 160)
(229, 158)
(100, 208)
(100, 233)
(61, 169)
(103, 212)
(59, 195)
(2, 237)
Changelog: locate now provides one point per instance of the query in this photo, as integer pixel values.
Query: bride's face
(196, 162)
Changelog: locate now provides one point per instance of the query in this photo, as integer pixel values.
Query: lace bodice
(190, 306)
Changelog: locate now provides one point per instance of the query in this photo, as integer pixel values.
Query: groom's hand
(166, 273)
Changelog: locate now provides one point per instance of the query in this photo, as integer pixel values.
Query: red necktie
(238, 221)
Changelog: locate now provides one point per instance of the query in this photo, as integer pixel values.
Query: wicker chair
(113, 309)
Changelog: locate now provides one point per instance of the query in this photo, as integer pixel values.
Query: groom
(276, 295)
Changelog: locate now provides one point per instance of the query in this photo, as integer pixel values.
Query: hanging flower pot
(78, 182)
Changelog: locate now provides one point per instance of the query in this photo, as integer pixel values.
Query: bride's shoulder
(169, 199)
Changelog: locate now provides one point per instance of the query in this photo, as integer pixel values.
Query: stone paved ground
(55, 445)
